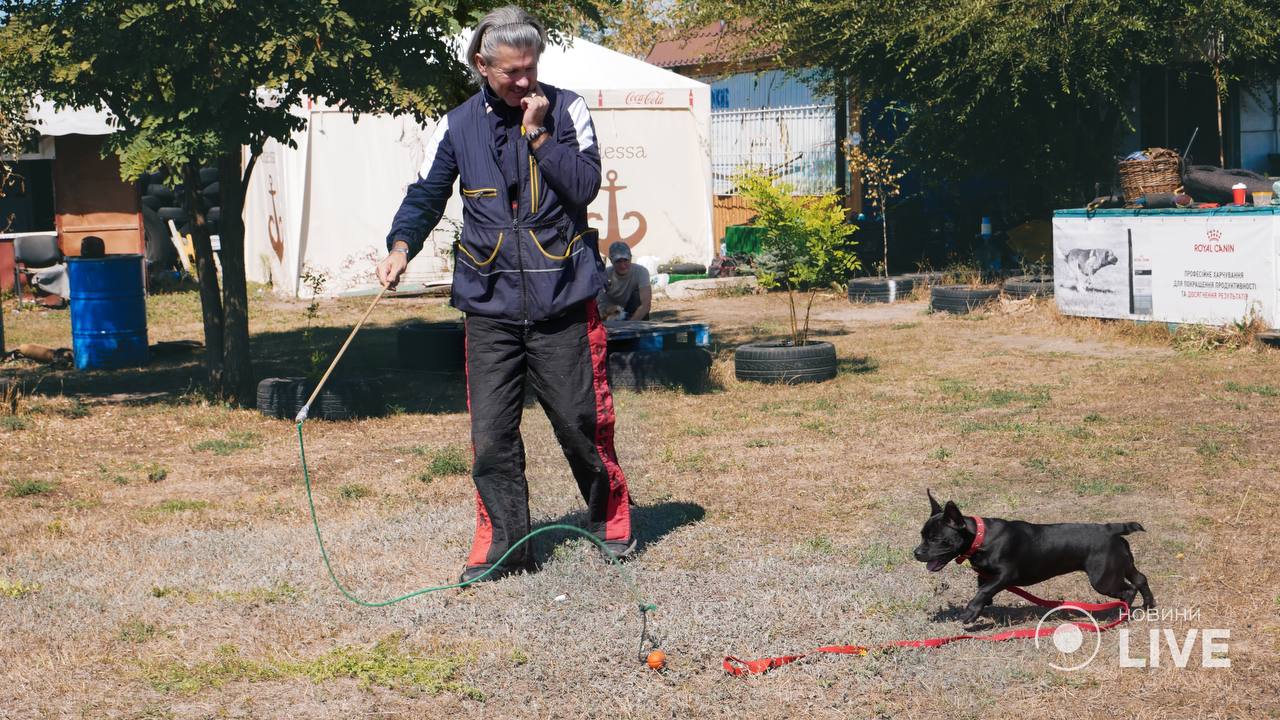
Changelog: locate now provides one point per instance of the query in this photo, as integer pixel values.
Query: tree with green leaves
(807, 244)
(192, 82)
(1032, 91)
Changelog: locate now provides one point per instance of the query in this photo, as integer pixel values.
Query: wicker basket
(1162, 173)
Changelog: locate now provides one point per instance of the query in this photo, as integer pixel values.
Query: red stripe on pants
(483, 538)
(618, 513)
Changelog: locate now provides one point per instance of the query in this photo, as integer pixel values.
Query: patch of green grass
(281, 592)
(442, 462)
(386, 664)
(17, 589)
(155, 473)
(1093, 418)
(234, 441)
(759, 443)
(1209, 449)
(12, 423)
(940, 454)
(106, 474)
(696, 462)
(1004, 426)
(883, 555)
(177, 506)
(816, 426)
(973, 398)
(820, 544)
(1263, 390)
(824, 404)
(137, 631)
(904, 325)
(1099, 487)
(27, 488)
(1081, 433)
(354, 491)
(698, 431)
(88, 503)
(1108, 453)
(1037, 464)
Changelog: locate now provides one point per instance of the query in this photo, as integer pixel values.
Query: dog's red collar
(979, 535)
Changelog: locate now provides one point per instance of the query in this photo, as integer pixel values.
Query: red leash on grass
(737, 667)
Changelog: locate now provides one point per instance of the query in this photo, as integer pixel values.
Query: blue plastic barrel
(108, 311)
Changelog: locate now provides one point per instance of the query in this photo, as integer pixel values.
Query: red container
(1237, 194)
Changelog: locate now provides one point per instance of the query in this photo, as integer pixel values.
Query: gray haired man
(526, 273)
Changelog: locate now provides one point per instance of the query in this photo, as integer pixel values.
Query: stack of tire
(1025, 286)
(433, 347)
(341, 398)
(961, 299)
(687, 368)
(168, 197)
(880, 290)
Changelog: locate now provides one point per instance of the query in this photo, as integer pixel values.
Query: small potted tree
(806, 245)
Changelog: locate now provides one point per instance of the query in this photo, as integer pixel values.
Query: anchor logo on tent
(613, 233)
(273, 222)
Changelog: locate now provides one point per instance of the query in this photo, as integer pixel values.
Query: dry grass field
(157, 558)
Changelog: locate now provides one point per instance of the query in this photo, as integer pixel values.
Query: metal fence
(797, 143)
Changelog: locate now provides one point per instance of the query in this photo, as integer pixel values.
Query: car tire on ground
(782, 362)
(879, 290)
(960, 299)
(685, 368)
(1029, 286)
(341, 398)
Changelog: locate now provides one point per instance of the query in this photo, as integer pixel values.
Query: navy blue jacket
(526, 252)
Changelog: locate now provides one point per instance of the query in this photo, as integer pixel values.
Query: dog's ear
(952, 515)
(934, 507)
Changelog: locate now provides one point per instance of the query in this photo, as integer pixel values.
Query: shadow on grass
(856, 365)
(178, 377)
(1000, 615)
(649, 524)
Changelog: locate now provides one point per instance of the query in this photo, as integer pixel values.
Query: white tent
(325, 206)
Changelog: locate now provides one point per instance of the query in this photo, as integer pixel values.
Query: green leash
(627, 577)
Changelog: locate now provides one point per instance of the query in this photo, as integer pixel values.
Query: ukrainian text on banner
(1190, 268)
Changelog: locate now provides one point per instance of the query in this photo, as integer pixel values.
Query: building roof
(719, 42)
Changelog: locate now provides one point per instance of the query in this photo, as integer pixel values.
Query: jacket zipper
(515, 213)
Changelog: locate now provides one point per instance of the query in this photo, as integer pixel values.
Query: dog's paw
(969, 616)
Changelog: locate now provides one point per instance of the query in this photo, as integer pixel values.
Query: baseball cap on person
(619, 251)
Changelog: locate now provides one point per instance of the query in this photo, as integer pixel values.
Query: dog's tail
(1124, 528)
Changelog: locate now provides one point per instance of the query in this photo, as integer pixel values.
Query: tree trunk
(238, 383)
(210, 295)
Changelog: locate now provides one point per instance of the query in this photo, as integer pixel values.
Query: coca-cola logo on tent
(652, 97)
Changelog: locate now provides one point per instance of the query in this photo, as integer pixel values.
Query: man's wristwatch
(404, 250)
(534, 134)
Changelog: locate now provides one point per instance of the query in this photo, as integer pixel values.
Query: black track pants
(565, 360)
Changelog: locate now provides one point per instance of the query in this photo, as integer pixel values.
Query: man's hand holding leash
(393, 265)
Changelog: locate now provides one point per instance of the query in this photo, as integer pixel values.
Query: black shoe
(471, 572)
(623, 550)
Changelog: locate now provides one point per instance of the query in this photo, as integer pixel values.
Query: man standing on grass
(526, 273)
(626, 291)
